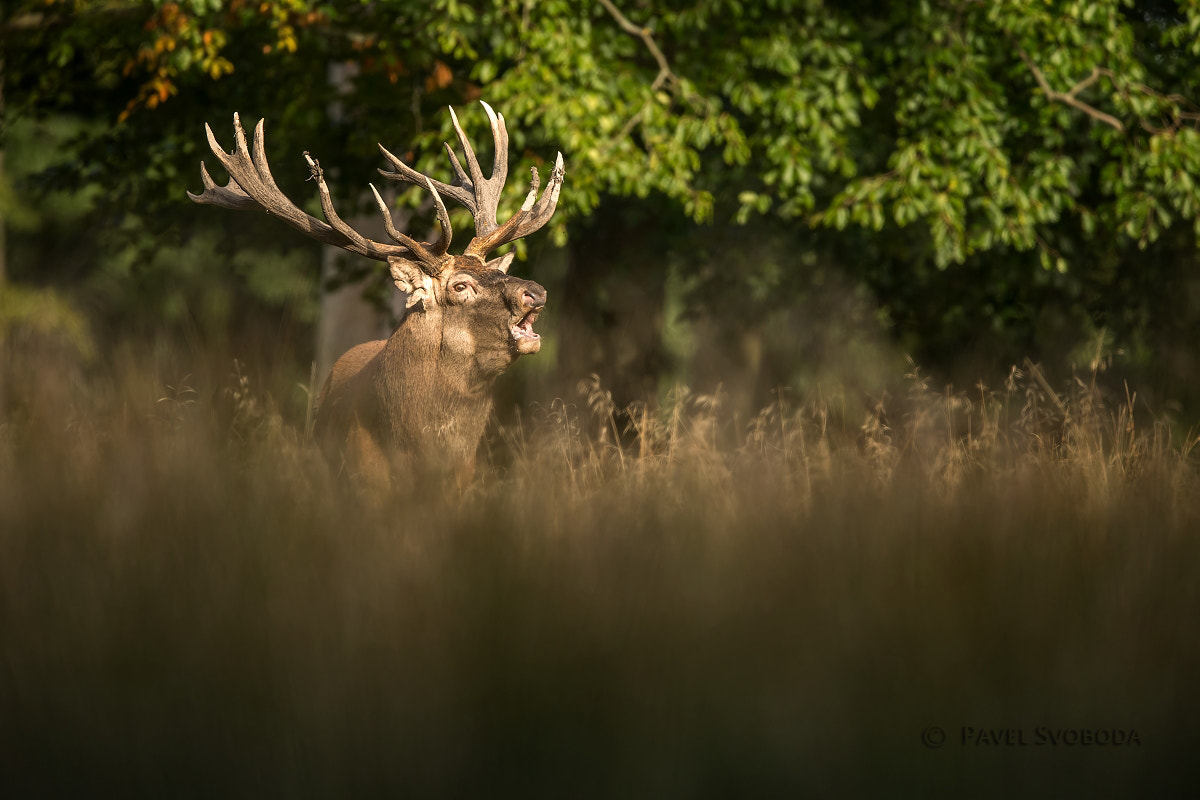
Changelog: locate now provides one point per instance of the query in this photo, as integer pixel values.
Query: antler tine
(461, 178)
(500, 158)
(482, 245)
(443, 242)
(480, 195)
(244, 179)
(486, 190)
(473, 167)
(251, 185)
(407, 174)
(428, 254)
(544, 210)
(531, 216)
(330, 212)
(259, 157)
(230, 196)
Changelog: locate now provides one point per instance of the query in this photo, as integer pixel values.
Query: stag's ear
(503, 262)
(412, 281)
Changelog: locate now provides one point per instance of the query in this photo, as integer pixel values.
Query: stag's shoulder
(354, 359)
(345, 369)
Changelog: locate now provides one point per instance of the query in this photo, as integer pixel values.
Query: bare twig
(664, 68)
(666, 76)
(1071, 97)
(1178, 117)
(641, 112)
(525, 12)
(1036, 372)
(29, 21)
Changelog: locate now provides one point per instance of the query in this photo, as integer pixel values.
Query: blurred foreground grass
(679, 606)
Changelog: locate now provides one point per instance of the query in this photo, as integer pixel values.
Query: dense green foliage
(1002, 179)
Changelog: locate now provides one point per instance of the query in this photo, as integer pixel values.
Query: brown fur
(415, 405)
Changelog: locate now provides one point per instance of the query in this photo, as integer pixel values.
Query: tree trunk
(346, 318)
(3, 145)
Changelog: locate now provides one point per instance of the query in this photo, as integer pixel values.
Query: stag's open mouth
(524, 337)
(524, 328)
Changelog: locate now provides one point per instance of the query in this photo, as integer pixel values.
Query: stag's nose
(534, 297)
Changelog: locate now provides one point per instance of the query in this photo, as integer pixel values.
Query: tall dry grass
(632, 602)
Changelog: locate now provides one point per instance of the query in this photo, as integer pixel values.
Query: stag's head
(466, 304)
(480, 315)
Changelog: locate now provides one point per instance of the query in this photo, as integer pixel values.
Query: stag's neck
(434, 406)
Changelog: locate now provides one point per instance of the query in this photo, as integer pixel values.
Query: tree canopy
(971, 164)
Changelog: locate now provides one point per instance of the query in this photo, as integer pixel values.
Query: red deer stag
(417, 402)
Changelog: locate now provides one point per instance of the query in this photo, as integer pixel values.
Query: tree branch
(664, 68)
(1071, 97)
(28, 21)
(637, 117)
(666, 74)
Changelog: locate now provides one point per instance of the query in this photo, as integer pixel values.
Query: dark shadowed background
(866, 404)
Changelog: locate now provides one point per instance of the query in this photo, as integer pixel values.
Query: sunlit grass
(628, 602)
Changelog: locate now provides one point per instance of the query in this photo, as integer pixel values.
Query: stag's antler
(481, 196)
(251, 185)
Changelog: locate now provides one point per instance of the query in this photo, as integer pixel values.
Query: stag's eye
(461, 286)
